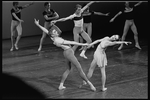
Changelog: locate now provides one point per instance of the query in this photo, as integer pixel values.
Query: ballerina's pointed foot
(137, 46)
(16, 47)
(12, 49)
(104, 89)
(39, 49)
(82, 55)
(61, 87)
(93, 88)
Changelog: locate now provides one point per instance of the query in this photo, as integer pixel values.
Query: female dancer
(100, 56)
(49, 15)
(129, 15)
(78, 28)
(87, 19)
(68, 54)
(16, 23)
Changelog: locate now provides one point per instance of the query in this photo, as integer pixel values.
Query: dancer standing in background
(49, 15)
(100, 58)
(78, 28)
(68, 54)
(87, 19)
(129, 15)
(16, 23)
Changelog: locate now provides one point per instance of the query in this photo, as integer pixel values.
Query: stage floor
(127, 70)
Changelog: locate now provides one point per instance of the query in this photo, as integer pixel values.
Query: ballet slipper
(39, 49)
(11, 49)
(16, 47)
(61, 87)
(104, 89)
(91, 86)
(138, 46)
(82, 55)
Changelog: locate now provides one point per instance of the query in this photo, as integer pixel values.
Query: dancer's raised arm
(87, 5)
(138, 3)
(41, 27)
(27, 5)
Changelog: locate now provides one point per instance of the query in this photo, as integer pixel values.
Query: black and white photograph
(75, 49)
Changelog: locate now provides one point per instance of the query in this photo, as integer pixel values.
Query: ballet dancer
(68, 54)
(100, 58)
(87, 19)
(78, 26)
(129, 23)
(16, 23)
(49, 15)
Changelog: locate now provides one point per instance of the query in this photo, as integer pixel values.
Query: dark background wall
(101, 25)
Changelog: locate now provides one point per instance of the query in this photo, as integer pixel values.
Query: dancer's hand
(36, 22)
(107, 14)
(89, 46)
(127, 43)
(21, 21)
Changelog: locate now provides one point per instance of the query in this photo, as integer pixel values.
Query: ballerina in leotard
(68, 54)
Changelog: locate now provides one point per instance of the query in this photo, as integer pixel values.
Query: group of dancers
(99, 58)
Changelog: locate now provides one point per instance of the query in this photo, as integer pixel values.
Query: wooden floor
(127, 70)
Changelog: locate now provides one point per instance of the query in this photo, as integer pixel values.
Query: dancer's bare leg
(91, 69)
(103, 78)
(134, 29)
(126, 28)
(88, 40)
(65, 75)
(76, 38)
(75, 62)
(13, 30)
(89, 31)
(41, 41)
(19, 29)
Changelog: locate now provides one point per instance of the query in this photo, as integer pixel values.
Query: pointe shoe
(12, 49)
(61, 87)
(39, 49)
(82, 55)
(138, 46)
(16, 47)
(92, 87)
(104, 89)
